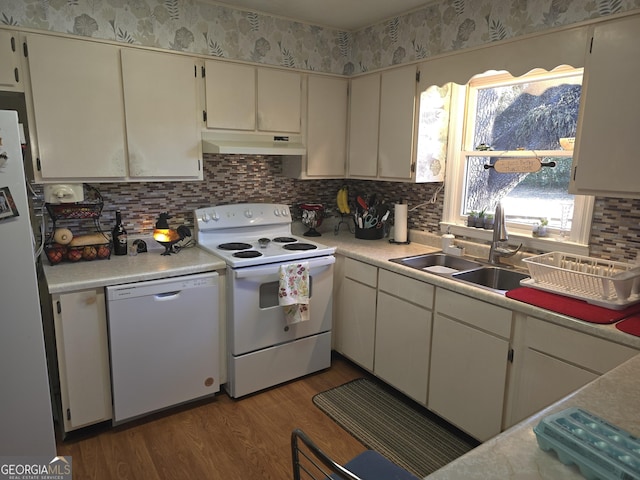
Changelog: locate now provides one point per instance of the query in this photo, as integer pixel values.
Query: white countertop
(68, 277)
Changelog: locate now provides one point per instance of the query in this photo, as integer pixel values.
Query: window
(504, 120)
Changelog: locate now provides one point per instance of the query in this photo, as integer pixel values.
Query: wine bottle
(119, 236)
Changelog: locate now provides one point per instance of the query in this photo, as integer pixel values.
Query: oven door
(255, 318)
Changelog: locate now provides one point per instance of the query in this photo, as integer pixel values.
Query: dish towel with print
(293, 294)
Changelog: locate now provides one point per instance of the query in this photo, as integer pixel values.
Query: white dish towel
(293, 294)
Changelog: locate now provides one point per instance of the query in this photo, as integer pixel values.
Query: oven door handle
(275, 268)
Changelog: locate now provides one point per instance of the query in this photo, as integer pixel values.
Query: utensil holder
(370, 233)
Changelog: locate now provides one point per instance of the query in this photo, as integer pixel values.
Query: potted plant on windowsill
(472, 218)
(540, 228)
(488, 221)
(480, 219)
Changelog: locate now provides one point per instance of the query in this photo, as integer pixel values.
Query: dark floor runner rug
(385, 421)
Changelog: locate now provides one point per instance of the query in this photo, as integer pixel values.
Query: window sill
(518, 153)
(543, 244)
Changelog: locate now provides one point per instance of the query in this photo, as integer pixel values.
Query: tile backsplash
(252, 178)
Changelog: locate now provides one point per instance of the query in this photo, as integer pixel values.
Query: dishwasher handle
(163, 297)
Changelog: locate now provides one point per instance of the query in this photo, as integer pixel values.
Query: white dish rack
(606, 283)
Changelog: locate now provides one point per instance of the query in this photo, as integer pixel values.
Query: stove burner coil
(247, 254)
(234, 246)
(299, 246)
(284, 240)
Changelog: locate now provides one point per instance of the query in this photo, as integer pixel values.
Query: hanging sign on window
(519, 165)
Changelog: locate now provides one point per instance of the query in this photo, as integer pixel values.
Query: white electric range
(255, 240)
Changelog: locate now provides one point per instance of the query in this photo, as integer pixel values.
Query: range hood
(252, 144)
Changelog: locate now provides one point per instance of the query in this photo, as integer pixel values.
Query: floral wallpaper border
(211, 29)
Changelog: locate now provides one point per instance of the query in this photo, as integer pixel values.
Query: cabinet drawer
(361, 272)
(593, 353)
(475, 313)
(406, 288)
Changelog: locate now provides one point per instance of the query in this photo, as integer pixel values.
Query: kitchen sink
(494, 278)
(438, 263)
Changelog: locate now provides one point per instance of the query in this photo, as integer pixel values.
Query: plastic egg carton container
(599, 449)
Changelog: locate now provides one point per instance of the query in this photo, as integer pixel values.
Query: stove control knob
(215, 216)
(285, 212)
(206, 217)
(248, 213)
(276, 212)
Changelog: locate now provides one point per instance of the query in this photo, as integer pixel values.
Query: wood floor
(219, 438)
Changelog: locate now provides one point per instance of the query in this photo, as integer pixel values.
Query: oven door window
(269, 293)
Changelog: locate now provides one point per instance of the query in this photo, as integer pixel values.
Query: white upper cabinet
(10, 77)
(381, 126)
(76, 91)
(605, 159)
(326, 126)
(161, 108)
(105, 113)
(231, 96)
(247, 98)
(397, 111)
(364, 122)
(279, 101)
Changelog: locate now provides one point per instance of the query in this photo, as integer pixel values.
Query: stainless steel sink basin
(438, 263)
(494, 278)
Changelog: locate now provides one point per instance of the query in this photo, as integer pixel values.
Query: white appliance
(26, 413)
(264, 350)
(163, 343)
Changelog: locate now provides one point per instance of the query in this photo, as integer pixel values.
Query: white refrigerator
(26, 421)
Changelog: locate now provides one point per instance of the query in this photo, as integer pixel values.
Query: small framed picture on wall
(7, 205)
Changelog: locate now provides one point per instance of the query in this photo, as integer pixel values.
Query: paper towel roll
(400, 211)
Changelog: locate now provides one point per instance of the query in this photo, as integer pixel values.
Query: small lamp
(166, 236)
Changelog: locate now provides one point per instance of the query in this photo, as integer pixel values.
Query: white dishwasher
(163, 343)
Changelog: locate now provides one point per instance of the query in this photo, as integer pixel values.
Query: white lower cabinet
(554, 361)
(356, 309)
(403, 333)
(481, 367)
(469, 358)
(83, 357)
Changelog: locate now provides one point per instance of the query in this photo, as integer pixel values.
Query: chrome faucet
(499, 246)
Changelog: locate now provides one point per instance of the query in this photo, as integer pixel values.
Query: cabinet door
(543, 380)
(364, 118)
(326, 126)
(230, 95)
(605, 159)
(161, 107)
(397, 105)
(78, 107)
(554, 362)
(357, 322)
(467, 377)
(9, 73)
(403, 340)
(83, 357)
(279, 101)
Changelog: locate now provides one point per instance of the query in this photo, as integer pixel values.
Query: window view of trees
(521, 114)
